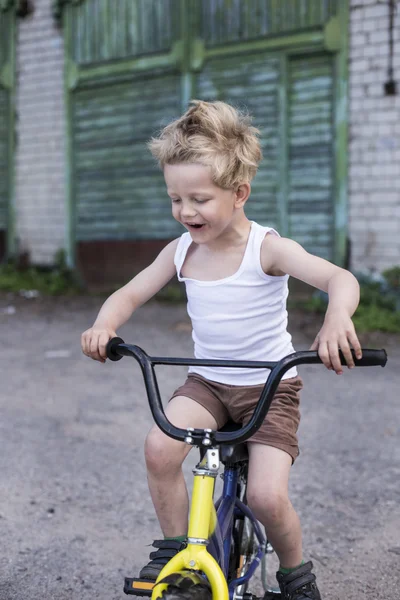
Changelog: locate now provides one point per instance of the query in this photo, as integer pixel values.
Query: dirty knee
(163, 455)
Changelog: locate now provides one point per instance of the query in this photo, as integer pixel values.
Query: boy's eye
(200, 201)
(174, 200)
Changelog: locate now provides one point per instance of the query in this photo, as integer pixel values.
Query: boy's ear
(242, 193)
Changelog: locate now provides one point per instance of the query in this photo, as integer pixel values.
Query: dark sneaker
(166, 549)
(299, 584)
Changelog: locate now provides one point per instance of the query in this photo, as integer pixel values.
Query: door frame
(190, 54)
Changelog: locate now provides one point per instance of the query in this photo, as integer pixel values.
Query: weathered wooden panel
(225, 21)
(119, 191)
(104, 30)
(6, 21)
(7, 18)
(311, 153)
(251, 83)
(4, 156)
(4, 37)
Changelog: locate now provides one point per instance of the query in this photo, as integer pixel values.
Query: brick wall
(40, 152)
(374, 144)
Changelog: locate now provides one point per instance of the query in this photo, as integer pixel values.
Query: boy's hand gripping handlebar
(116, 349)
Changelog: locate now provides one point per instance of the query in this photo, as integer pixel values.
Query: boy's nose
(188, 210)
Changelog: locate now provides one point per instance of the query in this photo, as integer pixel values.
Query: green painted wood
(252, 84)
(314, 37)
(5, 5)
(341, 60)
(283, 162)
(4, 157)
(119, 190)
(104, 30)
(70, 177)
(6, 20)
(226, 21)
(291, 100)
(132, 66)
(311, 145)
(81, 73)
(123, 73)
(7, 80)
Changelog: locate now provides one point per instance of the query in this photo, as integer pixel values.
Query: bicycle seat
(233, 453)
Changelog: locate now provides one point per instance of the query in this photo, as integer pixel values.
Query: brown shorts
(237, 403)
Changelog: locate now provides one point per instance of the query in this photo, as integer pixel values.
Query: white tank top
(240, 317)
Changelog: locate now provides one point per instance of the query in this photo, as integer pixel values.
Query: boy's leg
(267, 495)
(164, 458)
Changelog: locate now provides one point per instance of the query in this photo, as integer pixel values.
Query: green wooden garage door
(4, 158)
(291, 99)
(120, 193)
(311, 152)
(7, 28)
(133, 66)
(125, 84)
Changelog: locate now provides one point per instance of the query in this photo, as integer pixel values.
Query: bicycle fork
(202, 523)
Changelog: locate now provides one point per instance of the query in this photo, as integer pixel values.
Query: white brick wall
(40, 152)
(374, 139)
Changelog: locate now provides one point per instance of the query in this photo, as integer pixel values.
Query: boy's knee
(163, 455)
(270, 507)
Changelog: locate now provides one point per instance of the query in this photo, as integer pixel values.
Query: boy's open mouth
(195, 225)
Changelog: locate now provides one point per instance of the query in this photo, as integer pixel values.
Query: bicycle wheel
(244, 550)
(186, 585)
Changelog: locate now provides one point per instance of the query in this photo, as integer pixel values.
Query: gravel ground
(75, 515)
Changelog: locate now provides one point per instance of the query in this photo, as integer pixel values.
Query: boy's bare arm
(119, 307)
(283, 256)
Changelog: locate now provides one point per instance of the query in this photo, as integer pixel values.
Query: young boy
(236, 274)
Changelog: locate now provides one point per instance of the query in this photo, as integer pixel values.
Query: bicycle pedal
(138, 587)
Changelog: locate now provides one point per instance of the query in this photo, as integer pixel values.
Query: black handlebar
(116, 349)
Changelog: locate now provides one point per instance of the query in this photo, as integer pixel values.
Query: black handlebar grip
(110, 349)
(370, 358)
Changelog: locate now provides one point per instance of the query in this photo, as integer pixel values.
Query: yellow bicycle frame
(202, 523)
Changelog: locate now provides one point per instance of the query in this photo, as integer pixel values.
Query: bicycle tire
(186, 586)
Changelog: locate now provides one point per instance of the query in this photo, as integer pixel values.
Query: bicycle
(225, 543)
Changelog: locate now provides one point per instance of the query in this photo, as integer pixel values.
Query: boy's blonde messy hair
(215, 135)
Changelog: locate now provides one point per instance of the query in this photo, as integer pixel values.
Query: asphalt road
(75, 514)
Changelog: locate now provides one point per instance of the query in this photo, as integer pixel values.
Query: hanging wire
(390, 84)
